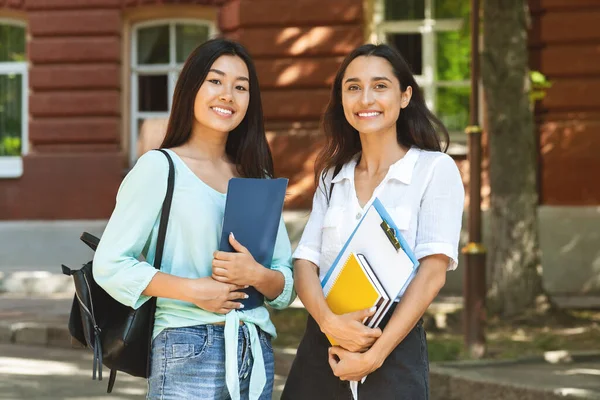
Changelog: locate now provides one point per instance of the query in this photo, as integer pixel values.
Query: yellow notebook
(352, 289)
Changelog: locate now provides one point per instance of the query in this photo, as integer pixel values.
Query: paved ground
(41, 373)
(45, 373)
(36, 362)
(577, 376)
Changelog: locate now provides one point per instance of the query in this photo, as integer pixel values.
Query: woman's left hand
(349, 366)
(238, 268)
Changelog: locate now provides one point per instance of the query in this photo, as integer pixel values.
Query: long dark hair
(246, 145)
(416, 125)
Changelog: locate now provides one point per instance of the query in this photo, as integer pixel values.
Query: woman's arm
(430, 278)
(206, 293)
(308, 287)
(275, 283)
(139, 202)
(347, 330)
(241, 268)
(282, 263)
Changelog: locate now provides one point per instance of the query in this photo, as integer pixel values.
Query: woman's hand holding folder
(238, 268)
(349, 332)
(212, 295)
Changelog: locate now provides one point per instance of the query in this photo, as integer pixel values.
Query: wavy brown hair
(416, 125)
(246, 145)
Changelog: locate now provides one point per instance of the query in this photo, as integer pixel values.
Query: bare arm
(308, 287)
(240, 268)
(206, 293)
(430, 278)
(268, 282)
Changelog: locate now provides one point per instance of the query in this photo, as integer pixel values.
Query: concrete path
(30, 372)
(559, 376)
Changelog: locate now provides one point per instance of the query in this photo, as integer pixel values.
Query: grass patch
(505, 339)
(290, 324)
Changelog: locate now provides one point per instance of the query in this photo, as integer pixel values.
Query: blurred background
(86, 86)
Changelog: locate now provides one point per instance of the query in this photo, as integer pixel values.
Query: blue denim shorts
(189, 363)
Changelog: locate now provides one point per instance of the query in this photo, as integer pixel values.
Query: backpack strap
(336, 171)
(89, 239)
(111, 380)
(160, 246)
(166, 210)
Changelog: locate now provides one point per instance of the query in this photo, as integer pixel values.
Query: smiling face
(371, 95)
(222, 100)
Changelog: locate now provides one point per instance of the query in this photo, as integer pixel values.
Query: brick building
(80, 79)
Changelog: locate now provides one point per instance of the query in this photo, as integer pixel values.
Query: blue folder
(252, 212)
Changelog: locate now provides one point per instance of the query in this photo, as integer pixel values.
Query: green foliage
(12, 43)
(406, 9)
(11, 110)
(452, 9)
(453, 51)
(10, 146)
(539, 84)
(444, 349)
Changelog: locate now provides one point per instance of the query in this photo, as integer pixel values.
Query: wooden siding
(72, 185)
(565, 46)
(298, 47)
(260, 13)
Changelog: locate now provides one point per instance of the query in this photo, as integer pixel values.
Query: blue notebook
(252, 212)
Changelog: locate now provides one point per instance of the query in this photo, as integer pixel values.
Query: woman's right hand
(215, 296)
(349, 332)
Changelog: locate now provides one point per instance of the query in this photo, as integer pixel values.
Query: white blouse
(423, 192)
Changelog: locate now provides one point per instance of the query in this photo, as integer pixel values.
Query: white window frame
(427, 27)
(171, 69)
(12, 166)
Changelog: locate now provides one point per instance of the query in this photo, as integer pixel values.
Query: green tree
(514, 245)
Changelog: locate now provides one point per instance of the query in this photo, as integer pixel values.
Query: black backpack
(119, 336)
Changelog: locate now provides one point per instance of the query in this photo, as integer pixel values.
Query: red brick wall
(76, 160)
(12, 4)
(74, 165)
(298, 46)
(565, 46)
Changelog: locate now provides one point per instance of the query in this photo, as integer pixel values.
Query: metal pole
(474, 282)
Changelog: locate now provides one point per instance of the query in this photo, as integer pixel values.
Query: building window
(158, 52)
(13, 98)
(434, 37)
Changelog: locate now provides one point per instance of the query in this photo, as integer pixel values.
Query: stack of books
(357, 287)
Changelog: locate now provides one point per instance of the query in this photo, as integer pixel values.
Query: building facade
(85, 86)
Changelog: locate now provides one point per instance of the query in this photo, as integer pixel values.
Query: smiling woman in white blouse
(383, 142)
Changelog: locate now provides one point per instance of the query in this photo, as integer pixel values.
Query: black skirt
(404, 375)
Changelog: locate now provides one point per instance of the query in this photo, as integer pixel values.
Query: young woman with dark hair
(382, 141)
(215, 132)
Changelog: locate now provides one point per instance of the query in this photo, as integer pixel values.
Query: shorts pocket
(183, 346)
(266, 339)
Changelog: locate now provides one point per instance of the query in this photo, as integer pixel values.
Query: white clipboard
(394, 264)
